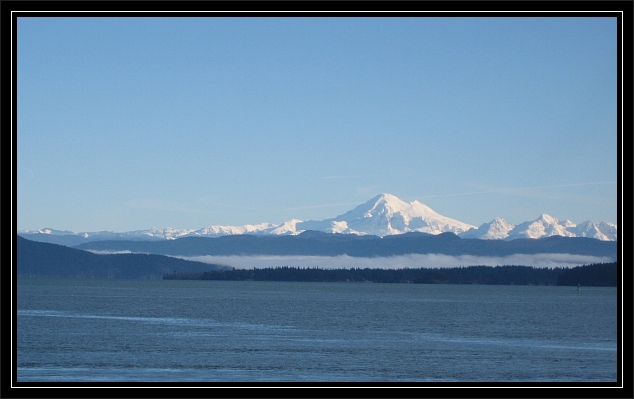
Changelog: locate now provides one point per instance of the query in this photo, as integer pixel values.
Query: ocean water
(224, 331)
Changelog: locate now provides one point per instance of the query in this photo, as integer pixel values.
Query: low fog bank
(108, 252)
(399, 262)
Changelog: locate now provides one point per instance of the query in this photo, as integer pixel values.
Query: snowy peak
(216, 231)
(609, 229)
(387, 214)
(546, 226)
(391, 204)
(289, 227)
(546, 219)
(49, 231)
(602, 230)
(543, 226)
(383, 204)
(497, 229)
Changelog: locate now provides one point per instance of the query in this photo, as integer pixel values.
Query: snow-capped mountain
(497, 229)
(383, 215)
(215, 231)
(602, 230)
(48, 231)
(387, 214)
(543, 226)
(546, 226)
(166, 233)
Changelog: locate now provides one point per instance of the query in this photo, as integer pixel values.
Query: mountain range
(319, 243)
(383, 215)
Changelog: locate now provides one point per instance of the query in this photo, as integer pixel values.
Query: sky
(131, 123)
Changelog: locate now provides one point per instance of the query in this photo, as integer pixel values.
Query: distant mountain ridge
(383, 215)
(317, 243)
(543, 226)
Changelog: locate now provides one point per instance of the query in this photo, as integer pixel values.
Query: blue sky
(131, 123)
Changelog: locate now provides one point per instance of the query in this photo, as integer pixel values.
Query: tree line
(604, 274)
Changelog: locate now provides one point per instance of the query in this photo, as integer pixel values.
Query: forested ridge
(603, 274)
(38, 259)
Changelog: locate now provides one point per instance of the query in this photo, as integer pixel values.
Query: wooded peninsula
(601, 274)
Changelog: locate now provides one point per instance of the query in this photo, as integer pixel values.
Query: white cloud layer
(108, 252)
(398, 262)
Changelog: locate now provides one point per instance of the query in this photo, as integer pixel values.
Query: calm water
(100, 330)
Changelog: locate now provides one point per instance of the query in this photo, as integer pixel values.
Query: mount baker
(383, 215)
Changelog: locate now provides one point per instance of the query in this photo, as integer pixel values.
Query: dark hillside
(37, 259)
(601, 274)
